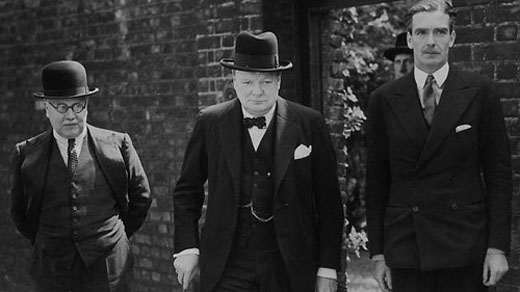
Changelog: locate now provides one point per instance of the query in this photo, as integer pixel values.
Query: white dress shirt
(255, 133)
(63, 144)
(438, 85)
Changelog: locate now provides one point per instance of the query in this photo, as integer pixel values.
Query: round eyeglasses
(63, 108)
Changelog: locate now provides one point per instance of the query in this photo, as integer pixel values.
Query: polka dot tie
(73, 156)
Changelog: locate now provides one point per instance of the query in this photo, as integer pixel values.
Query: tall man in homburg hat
(78, 192)
(438, 170)
(274, 214)
(401, 55)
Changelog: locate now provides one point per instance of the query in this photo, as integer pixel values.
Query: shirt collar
(439, 75)
(268, 116)
(65, 141)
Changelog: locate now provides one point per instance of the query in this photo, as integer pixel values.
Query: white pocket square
(302, 151)
(461, 128)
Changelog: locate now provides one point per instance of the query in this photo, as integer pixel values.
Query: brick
(507, 32)
(208, 42)
(478, 16)
(226, 25)
(461, 3)
(513, 127)
(478, 52)
(502, 51)
(460, 53)
(507, 71)
(226, 11)
(511, 108)
(463, 18)
(475, 35)
(502, 13)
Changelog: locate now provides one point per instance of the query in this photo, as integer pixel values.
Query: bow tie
(259, 122)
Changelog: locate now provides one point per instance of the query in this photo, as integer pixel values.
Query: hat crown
(256, 53)
(401, 40)
(257, 45)
(64, 79)
(63, 75)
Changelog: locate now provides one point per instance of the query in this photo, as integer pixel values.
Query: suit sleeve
(496, 168)
(19, 202)
(329, 207)
(377, 175)
(138, 188)
(188, 195)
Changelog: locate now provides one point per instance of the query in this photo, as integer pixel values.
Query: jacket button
(415, 209)
(74, 208)
(454, 206)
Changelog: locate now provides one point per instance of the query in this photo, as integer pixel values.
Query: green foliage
(362, 34)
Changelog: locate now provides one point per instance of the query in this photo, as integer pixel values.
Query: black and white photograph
(260, 146)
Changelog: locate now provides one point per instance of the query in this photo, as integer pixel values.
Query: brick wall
(488, 41)
(156, 65)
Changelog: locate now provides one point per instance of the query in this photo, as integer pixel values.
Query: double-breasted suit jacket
(119, 164)
(439, 196)
(308, 214)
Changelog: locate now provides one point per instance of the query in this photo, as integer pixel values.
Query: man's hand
(495, 266)
(186, 267)
(383, 277)
(326, 284)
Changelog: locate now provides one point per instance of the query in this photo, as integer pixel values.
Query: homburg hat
(256, 53)
(64, 79)
(401, 47)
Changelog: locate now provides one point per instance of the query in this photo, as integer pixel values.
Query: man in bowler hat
(438, 170)
(401, 55)
(78, 192)
(274, 214)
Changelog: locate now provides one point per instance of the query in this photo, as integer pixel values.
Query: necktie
(73, 156)
(259, 122)
(429, 99)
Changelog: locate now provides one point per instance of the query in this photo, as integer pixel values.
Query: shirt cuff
(493, 251)
(378, 258)
(327, 273)
(187, 252)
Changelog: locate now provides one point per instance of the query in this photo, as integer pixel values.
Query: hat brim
(230, 64)
(91, 92)
(392, 52)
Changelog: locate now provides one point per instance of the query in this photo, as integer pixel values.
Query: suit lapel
(37, 156)
(407, 108)
(455, 98)
(230, 134)
(286, 139)
(108, 156)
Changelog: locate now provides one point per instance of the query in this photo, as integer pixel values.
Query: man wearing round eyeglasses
(78, 192)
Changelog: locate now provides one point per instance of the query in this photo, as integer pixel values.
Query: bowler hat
(64, 79)
(256, 53)
(401, 47)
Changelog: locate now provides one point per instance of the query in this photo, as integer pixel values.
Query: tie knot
(429, 80)
(259, 122)
(72, 143)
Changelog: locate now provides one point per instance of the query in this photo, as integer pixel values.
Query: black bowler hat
(401, 47)
(256, 53)
(65, 79)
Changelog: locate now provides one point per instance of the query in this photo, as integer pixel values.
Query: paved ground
(360, 274)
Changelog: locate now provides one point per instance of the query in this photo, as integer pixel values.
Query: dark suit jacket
(428, 205)
(308, 214)
(117, 159)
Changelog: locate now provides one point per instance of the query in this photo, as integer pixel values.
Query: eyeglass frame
(83, 106)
